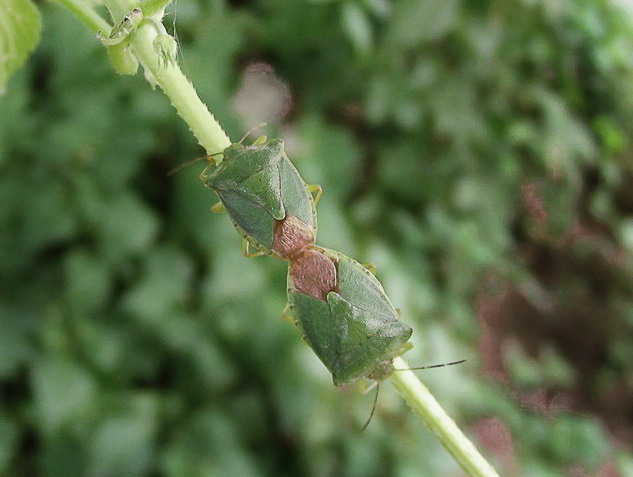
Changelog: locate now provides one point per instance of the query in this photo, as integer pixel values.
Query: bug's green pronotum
(266, 198)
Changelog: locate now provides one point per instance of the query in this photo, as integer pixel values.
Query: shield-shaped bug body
(345, 315)
(265, 197)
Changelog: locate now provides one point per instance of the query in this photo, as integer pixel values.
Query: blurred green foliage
(477, 152)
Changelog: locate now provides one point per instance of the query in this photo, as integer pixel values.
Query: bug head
(233, 150)
(386, 369)
(382, 371)
(273, 148)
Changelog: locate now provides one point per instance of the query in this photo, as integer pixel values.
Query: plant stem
(167, 75)
(439, 423)
(87, 16)
(180, 91)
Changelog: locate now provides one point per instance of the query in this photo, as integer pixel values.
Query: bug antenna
(185, 164)
(373, 408)
(417, 368)
(252, 130)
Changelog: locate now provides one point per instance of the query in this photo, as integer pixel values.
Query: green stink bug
(345, 315)
(265, 197)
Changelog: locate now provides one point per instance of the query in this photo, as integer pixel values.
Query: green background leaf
(19, 34)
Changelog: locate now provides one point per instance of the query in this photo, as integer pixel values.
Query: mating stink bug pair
(339, 306)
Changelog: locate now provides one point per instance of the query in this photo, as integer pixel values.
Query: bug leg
(373, 407)
(405, 348)
(247, 252)
(371, 267)
(317, 190)
(287, 315)
(259, 140)
(218, 207)
(211, 165)
(365, 387)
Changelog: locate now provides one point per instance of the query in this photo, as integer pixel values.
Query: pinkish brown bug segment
(291, 236)
(314, 274)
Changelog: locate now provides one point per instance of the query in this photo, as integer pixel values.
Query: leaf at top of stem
(22, 25)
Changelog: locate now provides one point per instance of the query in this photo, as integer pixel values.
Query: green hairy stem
(438, 422)
(166, 74)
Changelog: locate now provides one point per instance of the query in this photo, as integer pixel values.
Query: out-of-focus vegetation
(477, 152)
